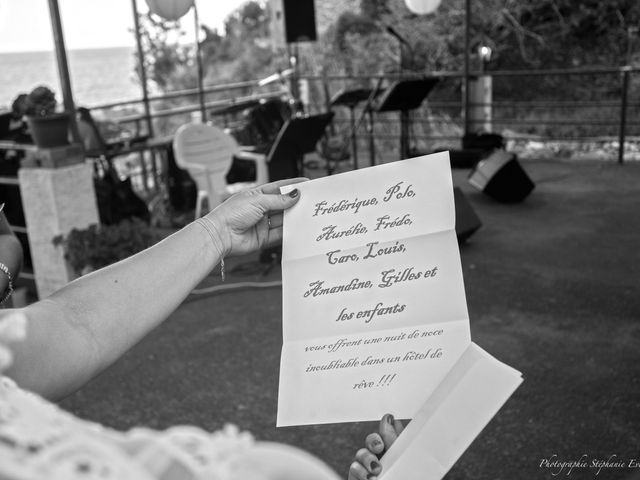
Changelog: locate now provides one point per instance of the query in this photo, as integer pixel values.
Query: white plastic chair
(206, 152)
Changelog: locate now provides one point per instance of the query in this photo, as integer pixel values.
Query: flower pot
(50, 131)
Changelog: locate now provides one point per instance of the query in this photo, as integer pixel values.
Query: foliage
(97, 246)
(166, 61)
(374, 9)
(40, 102)
(545, 34)
(541, 34)
(352, 23)
(242, 53)
(171, 65)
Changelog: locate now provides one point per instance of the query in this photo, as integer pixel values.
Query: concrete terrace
(552, 289)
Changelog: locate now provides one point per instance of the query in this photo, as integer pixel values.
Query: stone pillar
(55, 200)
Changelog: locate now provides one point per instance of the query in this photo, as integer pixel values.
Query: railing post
(623, 112)
(203, 109)
(143, 69)
(467, 45)
(63, 68)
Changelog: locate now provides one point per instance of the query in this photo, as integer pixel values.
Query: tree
(167, 62)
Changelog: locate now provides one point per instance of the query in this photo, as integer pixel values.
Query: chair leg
(202, 197)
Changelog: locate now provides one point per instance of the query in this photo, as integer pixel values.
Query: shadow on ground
(552, 290)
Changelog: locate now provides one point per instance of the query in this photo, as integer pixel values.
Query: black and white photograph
(319, 239)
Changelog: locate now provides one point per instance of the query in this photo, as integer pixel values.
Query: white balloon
(170, 9)
(422, 7)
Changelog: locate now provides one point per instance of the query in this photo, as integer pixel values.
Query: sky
(25, 24)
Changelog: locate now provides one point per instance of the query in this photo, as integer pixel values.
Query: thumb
(277, 202)
(389, 429)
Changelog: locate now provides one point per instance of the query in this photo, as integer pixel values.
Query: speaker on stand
(293, 21)
(501, 177)
(299, 21)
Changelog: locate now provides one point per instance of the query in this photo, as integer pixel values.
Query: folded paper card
(453, 415)
(374, 308)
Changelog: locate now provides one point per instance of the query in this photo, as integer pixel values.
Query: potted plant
(97, 246)
(48, 127)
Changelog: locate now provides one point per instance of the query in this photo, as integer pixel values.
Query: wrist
(6, 293)
(214, 237)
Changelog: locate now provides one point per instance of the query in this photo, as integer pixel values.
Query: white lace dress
(39, 441)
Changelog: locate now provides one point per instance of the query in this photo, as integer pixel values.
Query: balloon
(422, 7)
(170, 9)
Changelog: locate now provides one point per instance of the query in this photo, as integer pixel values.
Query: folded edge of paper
(454, 414)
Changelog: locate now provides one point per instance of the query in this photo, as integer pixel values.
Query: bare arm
(84, 327)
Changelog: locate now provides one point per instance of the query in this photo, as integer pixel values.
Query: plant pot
(50, 131)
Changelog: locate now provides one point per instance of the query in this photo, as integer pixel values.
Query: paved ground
(552, 290)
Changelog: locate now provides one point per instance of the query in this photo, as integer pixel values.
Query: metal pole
(143, 70)
(63, 68)
(404, 114)
(467, 39)
(203, 113)
(623, 112)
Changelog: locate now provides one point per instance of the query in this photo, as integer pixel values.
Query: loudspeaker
(466, 158)
(299, 20)
(483, 141)
(501, 177)
(467, 221)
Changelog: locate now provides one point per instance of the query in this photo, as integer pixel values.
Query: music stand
(350, 99)
(403, 96)
(299, 135)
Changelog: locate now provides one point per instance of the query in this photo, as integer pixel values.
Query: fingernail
(390, 419)
(376, 443)
(371, 476)
(375, 465)
(294, 193)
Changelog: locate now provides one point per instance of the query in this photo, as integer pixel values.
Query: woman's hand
(366, 465)
(251, 219)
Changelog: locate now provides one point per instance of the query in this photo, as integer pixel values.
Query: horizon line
(9, 52)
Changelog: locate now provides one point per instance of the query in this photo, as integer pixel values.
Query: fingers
(366, 465)
(358, 472)
(275, 221)
(274, 232)
(389, 429)
(374, 443)
(369, 461)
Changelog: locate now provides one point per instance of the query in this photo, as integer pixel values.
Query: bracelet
(9, 290)
(210, 230)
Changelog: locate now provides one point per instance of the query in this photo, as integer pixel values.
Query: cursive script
(317, 288)
(322, 208)
(329, 232)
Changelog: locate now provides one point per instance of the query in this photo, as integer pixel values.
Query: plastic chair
(206, 152)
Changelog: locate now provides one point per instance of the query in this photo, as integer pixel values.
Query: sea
(98, 76)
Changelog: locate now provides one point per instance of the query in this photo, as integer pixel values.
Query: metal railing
(608, 113)
(603, 114)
